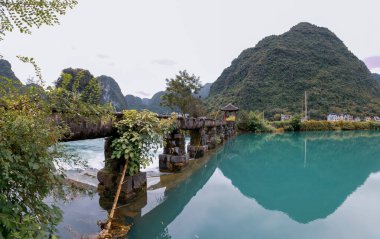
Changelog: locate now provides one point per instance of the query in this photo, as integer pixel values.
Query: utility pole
(305, 105)
(304, 158)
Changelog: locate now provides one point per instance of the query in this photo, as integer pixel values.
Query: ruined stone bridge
(204, 134)
(83, 129)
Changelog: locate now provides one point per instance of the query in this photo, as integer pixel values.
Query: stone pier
(174, 156)
(205, 134)
(110, 175)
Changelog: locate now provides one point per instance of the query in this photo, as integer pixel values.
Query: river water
(292, 185)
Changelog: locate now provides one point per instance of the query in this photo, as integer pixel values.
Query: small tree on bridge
(180, 92)
(140, 134)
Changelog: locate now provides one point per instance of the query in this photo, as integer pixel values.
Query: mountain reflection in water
(306, 176)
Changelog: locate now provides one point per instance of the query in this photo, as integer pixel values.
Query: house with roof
(341, 117)
(332, 117)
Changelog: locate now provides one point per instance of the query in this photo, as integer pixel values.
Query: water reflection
(304, 175)
(307, 183)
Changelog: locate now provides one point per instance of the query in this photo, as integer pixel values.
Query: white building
(341, 117)
(332, 117)
(285, 117)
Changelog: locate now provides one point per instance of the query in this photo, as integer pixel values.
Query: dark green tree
(180, 92)
(82, 83)
(28, 150)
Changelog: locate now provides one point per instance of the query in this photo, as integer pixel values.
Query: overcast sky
(140, 43)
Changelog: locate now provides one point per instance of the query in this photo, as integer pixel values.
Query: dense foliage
(80, 82)
(274, 75)
(294, 124)
(179, 94)
(140, 134)
(253, 121)
(376, 77)
(30, 155)
(99, 90)
(29, 170)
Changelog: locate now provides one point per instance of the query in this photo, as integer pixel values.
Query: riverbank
(323, 125)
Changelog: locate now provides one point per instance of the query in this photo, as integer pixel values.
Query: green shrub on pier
(140, 135)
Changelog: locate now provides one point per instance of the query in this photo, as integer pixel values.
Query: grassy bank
(255, 122)
(313, 125)
(323, 125)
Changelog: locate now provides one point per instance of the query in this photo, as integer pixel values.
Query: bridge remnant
(204, 134)
(110, 175)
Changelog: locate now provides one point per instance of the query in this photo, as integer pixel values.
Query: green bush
(254, 122)
(294, 124)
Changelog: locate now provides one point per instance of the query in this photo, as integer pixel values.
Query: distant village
(339, 117)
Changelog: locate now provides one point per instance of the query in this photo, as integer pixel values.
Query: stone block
(162, 159)
(178, 159)
(139, 180)
(197, 151)
(106, 178)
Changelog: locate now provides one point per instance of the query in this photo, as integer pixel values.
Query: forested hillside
(274, 75)
(111, 92)
(6, 71)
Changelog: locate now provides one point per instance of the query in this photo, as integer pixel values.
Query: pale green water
(301, 185)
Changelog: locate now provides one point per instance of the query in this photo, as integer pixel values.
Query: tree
(28, 150)
(26, 14)
(180, 92)
(139, 134)
(30, 154)
(82, 83)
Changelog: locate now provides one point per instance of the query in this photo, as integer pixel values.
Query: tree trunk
(105, 232)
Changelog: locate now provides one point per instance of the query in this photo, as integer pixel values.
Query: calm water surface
(301, 185)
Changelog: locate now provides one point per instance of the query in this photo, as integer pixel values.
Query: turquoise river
(291, 185)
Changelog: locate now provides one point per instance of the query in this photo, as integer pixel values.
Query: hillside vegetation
(6, 72)
(376, 77)
(152, 104)
(273, 76)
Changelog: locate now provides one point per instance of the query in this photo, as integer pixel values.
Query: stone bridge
(204, 134)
